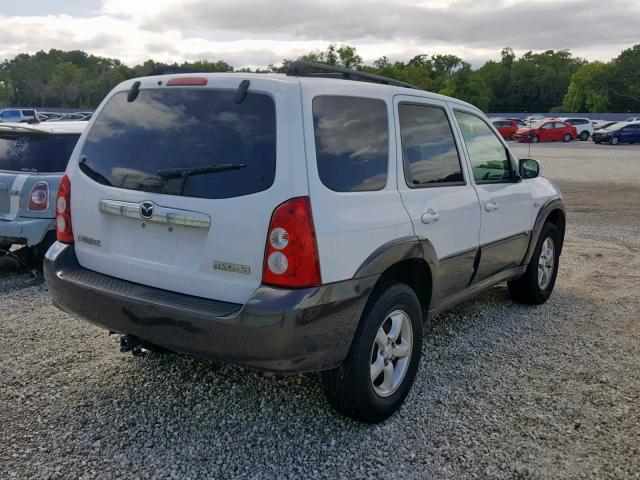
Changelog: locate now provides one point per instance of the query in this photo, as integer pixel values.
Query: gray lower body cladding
(276, 330)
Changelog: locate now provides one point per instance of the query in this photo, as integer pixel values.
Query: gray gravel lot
(503, 391)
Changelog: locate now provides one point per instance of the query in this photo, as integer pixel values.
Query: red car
(506, 128)
(546, 131)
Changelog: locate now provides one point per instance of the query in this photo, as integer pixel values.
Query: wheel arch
(554, 211)
(407, 260)
(558, 218)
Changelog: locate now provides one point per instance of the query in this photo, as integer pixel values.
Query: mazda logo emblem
(146, 209)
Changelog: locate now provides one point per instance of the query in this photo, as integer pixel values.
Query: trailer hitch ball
(131, 344)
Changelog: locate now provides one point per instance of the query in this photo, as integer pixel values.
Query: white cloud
(258, 32)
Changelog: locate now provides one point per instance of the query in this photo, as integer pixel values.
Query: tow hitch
(131, 344)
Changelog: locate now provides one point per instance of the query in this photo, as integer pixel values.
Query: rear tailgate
(176, 188)
(29, 156)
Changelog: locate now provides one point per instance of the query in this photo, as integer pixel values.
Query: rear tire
(584, 136)
(392, 309)
(536, 285)
(567, 138)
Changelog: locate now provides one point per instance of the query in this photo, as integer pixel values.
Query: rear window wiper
(185, 173)
(188, 172)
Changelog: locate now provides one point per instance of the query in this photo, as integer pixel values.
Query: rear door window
(186, 142)
(429, 150)
(34, 152)
(352, 142)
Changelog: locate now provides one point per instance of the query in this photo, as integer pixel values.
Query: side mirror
(529, 168)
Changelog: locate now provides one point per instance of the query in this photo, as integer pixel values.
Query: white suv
(584, 127)
(17, 115)
(298, 222)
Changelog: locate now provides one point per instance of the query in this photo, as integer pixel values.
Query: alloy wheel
(546, 263)
(391, 353)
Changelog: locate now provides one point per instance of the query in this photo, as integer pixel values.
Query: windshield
(220, 148)
(534, 125)
(35, 152)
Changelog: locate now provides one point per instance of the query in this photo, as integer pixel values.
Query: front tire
(536, 285)
(614, 141)
(382, 362)
(584, 136)
(535, 139)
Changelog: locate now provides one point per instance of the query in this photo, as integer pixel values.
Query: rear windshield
(194, 143)
(35, 152)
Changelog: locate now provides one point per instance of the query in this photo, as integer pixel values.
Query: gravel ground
(504, 390)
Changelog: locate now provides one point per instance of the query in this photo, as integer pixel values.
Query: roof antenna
(134, 91)
(241, 94)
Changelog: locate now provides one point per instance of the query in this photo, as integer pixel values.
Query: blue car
(33, 159)
(622, 132)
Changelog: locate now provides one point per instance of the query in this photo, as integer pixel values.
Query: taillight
(64, 229)
(39, 197)
(291, 257)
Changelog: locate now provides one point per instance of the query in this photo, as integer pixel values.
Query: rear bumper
(24, 231)
(276, 330)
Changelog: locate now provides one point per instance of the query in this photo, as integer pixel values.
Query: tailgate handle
(170, 216)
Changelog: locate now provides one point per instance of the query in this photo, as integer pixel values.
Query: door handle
(430, 216)
(491, 205)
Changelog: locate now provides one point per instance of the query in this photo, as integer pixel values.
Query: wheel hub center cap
(386, 353)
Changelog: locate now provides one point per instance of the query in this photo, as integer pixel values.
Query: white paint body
(349, 226)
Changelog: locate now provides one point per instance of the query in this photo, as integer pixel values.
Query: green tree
(468, 85)
(623, 84)
(588, 89)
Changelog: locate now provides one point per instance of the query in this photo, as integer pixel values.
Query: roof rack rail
(301, 68)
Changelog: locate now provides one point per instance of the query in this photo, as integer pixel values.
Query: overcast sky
(259, 32)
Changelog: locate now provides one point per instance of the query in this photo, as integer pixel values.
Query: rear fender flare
(401, 250)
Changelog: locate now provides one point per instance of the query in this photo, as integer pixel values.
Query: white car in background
(17, 115)
(584, 127)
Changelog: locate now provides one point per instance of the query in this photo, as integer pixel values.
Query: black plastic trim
(275, 330)
(390, 253)
(545, 210)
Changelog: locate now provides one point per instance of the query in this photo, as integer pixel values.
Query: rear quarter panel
(350, 226)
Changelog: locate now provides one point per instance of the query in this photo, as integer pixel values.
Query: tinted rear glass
(168, 141)
(428, 147)
(20, 152)
(352, 142)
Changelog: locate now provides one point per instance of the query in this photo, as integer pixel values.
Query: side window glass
(429, 150)
(352, 142)
(490, 161)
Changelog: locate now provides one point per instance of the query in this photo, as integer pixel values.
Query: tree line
(551, 81)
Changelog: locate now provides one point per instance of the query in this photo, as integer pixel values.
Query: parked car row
(30, 115)
(567, 129)
(542, 131)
